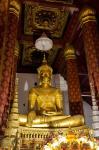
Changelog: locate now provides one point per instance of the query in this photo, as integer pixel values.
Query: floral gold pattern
(46, 18)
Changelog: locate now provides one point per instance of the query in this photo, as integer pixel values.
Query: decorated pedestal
(36, 138)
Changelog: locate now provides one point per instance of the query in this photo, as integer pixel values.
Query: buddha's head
(45, 73)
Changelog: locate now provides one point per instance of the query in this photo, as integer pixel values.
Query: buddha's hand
(31, 117)
(52, 113)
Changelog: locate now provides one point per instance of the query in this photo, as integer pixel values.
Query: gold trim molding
(87, 14)
(44, 18)
(15, 7)
(16, 50)
(69, 52)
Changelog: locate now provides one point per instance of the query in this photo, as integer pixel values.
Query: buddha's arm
(31, 115)
(31, 104)
(32, 99)
(59, 101)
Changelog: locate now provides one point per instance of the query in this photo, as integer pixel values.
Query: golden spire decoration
(44, 59)
(13, 122)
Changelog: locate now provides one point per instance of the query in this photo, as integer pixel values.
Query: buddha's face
(45, 77)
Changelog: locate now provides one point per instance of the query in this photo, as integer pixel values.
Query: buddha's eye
(41, 73)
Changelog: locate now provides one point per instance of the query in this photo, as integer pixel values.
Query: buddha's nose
(45, 75)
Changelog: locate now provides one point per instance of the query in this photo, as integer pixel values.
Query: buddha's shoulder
(33, 90)
(37, 90)
(56, 90)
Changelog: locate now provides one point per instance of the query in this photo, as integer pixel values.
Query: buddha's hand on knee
(31, 116)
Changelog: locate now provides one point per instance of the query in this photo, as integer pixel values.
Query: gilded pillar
(12, 123)
(12, 83)
(74, 94)
(14, 68)
(11, 35)
(95, 111)
(91, 44)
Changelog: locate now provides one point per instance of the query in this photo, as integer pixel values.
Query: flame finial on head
(44, 59)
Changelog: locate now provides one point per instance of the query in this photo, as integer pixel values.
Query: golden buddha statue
(45, 104)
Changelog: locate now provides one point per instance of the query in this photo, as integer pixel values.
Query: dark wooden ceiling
(62, 27)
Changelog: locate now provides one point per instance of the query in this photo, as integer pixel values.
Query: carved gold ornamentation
(16, 50)
(86, 15)
(13, 122)
(61, 1)
(69, 52)
(28, 50)
(38, 136)
(47, 18)
(14, 7)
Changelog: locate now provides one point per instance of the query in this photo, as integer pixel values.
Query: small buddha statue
(45, 104)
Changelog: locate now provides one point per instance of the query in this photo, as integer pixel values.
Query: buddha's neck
(45, 85)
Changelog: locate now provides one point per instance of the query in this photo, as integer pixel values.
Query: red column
(12, 83)
(3, 18)
(11, 35)
(68, 35)
(74, 94)
(91, 44)
(14, 68)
